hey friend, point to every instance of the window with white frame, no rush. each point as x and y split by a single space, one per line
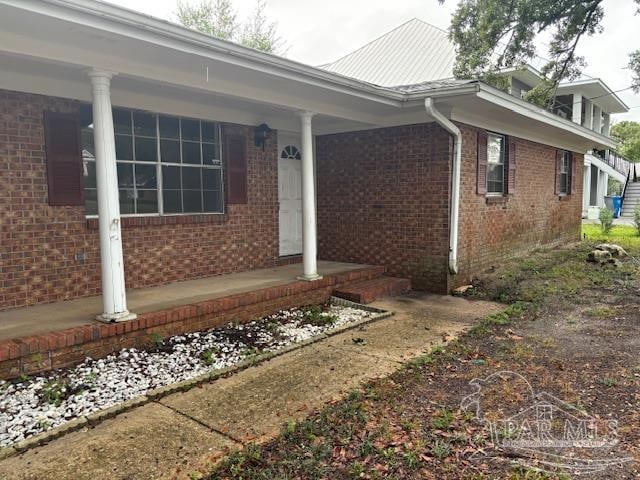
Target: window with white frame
565 173
496 155
166 164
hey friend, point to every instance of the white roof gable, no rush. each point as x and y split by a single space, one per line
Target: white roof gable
414 52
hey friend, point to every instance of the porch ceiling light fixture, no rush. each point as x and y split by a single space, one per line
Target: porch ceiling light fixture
262 132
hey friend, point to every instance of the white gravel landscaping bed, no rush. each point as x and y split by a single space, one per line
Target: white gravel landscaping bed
31 405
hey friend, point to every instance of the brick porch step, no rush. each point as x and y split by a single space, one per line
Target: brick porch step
368 291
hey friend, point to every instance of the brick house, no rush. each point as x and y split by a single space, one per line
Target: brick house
136 152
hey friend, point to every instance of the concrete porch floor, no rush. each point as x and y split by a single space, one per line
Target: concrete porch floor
39 319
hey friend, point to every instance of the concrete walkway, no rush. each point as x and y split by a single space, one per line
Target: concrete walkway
187 432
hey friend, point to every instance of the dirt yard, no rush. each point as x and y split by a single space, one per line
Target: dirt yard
568 348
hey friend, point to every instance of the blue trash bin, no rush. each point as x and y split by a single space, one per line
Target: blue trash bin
617 205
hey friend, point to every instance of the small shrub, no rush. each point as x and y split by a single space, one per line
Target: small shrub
208 356
606 220
636 218
54 392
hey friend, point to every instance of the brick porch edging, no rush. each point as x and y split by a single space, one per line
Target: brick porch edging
63 348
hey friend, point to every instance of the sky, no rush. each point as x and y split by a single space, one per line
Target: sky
320 31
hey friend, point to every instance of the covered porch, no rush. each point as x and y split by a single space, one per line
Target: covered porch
42 337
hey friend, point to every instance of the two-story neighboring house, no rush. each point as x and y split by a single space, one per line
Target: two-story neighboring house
418 52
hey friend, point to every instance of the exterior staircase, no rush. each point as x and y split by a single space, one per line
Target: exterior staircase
631 199
368 291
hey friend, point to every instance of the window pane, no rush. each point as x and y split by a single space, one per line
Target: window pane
191 153
144 124
169 127
190 129
124 147
564 181
146 176
209 132
192 201
89 174
495 149
210 154
126 201
212 201
147 201
125 175
171 201
495 178
171 178
211 179
122 121
170 151
146 149
191 178
91 201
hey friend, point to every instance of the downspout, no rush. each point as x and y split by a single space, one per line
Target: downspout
448 125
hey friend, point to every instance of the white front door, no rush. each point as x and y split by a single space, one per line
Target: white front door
290 194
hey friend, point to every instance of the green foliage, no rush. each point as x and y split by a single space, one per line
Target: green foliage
614 187
627 133
636 218
156 339
606 220
214 18
443 420
491 35
208 356
219 19
54 392
313 315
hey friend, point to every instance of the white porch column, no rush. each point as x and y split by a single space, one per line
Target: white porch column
586 190
606 128
588 114
309 238
597 118
577 109
114 300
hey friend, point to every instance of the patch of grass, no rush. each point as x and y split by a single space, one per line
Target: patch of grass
443 419
441 449
609 382
503 318
624 235
601 312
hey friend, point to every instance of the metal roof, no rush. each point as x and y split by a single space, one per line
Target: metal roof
414 52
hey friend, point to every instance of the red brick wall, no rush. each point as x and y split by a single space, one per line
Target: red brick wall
534 215
383 200
39 243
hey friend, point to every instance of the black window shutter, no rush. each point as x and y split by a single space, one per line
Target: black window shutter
481 179
511 165
64 159
558 169
236 166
